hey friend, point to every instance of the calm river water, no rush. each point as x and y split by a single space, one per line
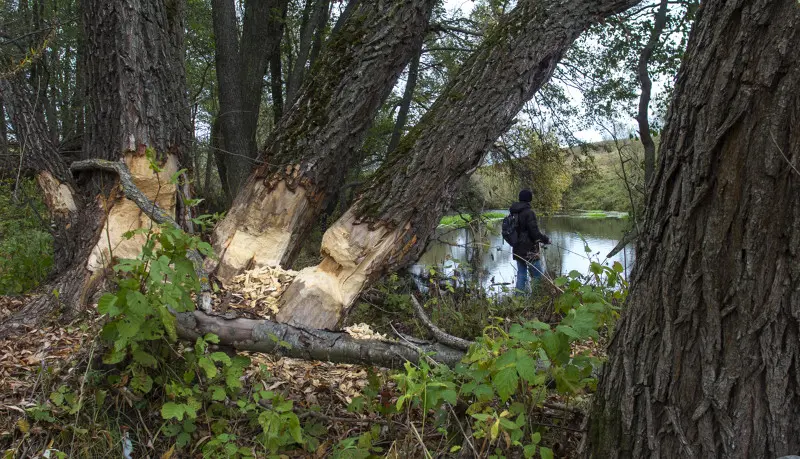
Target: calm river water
483 248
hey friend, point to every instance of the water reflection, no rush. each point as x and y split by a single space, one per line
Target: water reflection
482 252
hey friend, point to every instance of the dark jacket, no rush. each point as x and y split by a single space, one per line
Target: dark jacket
529 234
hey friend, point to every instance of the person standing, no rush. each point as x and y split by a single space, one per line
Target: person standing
526 250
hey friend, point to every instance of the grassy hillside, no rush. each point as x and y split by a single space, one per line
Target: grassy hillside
558 185
606 189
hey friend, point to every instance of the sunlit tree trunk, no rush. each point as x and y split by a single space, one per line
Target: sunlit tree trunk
706 360
391 222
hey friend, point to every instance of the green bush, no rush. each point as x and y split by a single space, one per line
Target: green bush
26 247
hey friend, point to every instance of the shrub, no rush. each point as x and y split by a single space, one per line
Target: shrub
26 246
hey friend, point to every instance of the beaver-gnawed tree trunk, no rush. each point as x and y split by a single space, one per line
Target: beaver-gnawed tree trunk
136 102
391 222
706 360
313 146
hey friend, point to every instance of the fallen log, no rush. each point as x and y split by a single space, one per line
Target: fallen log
309 344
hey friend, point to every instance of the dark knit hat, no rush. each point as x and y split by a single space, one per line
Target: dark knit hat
525 195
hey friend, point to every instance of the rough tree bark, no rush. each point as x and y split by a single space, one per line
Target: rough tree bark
241 67
642 117
390 223
134 67
706 360
308 154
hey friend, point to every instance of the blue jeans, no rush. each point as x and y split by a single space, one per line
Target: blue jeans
523 268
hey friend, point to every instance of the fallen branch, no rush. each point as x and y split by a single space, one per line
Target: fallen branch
299 343
440 335
155 213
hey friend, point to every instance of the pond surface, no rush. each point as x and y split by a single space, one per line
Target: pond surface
481 251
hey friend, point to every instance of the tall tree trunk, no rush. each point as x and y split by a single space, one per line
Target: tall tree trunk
308 154
322 13
238 160
261 39
405 103
3 133
298 68
276 86
241 67
706 360
391 222
137 103
642 117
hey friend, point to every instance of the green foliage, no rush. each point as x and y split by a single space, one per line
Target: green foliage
506 373
201 387
26 246
533 162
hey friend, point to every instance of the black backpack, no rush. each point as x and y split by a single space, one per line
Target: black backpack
510 229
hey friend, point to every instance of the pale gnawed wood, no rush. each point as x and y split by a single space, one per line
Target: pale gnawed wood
353 255
58 197
260 233
124 215
154 212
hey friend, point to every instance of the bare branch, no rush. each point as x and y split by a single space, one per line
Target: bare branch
438 333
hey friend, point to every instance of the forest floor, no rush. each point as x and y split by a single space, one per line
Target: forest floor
40 362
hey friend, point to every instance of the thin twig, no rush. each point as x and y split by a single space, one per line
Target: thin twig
782 153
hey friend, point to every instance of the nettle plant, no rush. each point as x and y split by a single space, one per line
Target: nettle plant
508 372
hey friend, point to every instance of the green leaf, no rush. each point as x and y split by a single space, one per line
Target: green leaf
208 366
505 381
529 451
484 392
211 338
114 356
220 357
569 331
57 398
142 382
218 393
508 358
449 396
526 366
172 410
108 305
546 453
137 304
143 358
294 428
